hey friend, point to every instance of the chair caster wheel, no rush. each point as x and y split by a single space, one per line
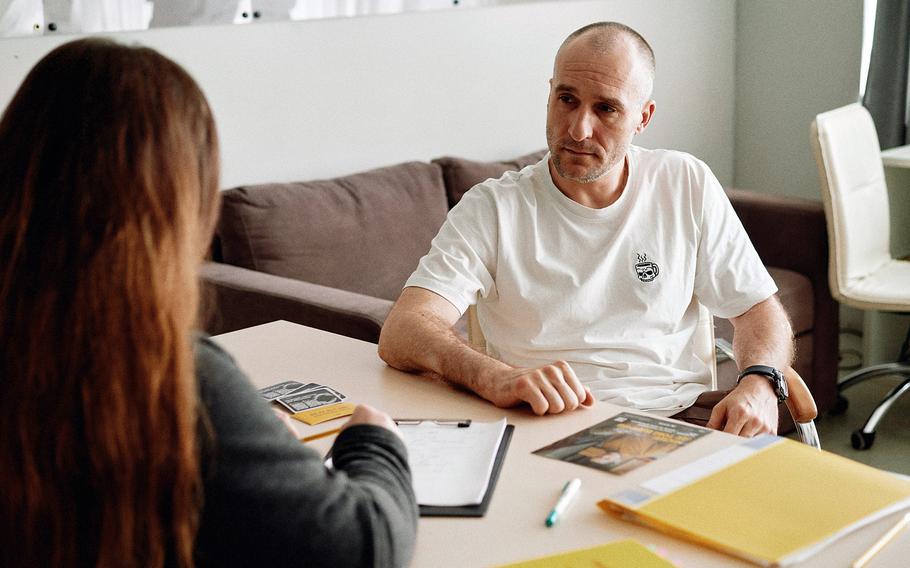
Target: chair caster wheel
861 440
840 406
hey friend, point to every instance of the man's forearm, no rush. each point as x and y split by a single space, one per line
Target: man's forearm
422 342
417 336
762 336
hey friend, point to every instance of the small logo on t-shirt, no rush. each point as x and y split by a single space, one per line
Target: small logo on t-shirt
645 269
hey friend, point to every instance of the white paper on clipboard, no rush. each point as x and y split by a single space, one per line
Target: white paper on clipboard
451 466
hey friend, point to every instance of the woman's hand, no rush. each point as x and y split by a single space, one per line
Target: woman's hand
365 414
286 420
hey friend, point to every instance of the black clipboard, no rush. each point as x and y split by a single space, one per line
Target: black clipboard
481 509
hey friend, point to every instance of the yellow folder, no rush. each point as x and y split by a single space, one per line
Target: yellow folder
767 500
621 554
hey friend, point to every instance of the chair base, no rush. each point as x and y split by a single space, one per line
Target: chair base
863 438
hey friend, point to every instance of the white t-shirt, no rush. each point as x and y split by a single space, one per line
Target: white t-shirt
612 291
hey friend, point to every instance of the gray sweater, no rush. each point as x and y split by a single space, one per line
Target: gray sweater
270 501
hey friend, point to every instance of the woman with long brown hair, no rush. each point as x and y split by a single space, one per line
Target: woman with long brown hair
125 439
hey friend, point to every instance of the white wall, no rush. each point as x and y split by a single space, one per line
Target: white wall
304 100
794 60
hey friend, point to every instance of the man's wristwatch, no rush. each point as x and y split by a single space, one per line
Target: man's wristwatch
776 378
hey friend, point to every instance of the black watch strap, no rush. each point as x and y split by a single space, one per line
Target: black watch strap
774 376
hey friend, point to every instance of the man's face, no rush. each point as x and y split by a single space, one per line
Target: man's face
597 104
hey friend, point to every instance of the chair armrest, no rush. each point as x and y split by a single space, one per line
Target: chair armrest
802 409
236 297
799 402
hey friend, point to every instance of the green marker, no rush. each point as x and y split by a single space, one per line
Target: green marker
568 493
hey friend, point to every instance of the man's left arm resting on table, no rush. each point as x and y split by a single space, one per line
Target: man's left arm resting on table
761 336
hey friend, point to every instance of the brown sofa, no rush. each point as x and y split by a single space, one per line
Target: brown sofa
334 254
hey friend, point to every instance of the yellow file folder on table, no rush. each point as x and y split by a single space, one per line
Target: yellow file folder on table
621 554
768 500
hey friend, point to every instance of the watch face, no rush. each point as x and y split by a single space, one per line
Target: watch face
776 378
780 385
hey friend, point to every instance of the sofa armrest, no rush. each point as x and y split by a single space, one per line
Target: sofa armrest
235 298
791 233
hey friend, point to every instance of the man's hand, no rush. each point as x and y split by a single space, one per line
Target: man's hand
750 409
549 389
761 336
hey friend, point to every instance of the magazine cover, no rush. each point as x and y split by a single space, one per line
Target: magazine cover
623 442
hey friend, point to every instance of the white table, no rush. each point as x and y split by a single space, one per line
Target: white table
897 176
513 528
897 157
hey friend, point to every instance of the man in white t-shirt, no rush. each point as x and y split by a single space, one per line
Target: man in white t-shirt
588 268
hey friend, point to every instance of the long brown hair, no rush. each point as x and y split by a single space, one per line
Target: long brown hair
108 193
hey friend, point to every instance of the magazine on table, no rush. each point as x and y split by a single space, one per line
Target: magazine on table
622 443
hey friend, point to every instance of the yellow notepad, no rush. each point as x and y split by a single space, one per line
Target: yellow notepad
620 554
768 500
322 414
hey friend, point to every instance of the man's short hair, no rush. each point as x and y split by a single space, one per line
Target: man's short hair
605 34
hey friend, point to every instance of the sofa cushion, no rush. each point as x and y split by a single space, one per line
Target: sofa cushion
364 232
460 174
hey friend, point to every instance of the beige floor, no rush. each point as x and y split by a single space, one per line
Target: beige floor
891 450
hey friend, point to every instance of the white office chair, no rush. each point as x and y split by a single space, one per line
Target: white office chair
800 402
861 271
